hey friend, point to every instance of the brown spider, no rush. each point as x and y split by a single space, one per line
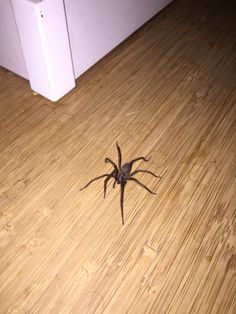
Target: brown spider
121 174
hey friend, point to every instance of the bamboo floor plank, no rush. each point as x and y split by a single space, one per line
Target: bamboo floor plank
168 92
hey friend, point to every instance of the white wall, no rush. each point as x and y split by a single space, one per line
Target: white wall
97 26
44 38
52 42
11 54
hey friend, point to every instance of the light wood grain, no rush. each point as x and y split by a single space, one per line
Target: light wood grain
169 92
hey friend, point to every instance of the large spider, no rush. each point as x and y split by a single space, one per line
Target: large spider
121 174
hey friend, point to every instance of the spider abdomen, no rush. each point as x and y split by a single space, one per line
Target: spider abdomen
126 169
124 173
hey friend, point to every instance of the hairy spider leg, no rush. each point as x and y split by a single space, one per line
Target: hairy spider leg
108 160
122 191
144 171
137 159
112 175
126 168
142 185
97 178
119 155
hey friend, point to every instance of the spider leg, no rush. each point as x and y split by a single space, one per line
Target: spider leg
129 165
97 178
108 160
112 175
122 191
141 184
119 155
145 171
139 158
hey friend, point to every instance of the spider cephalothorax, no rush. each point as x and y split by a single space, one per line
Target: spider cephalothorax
121 174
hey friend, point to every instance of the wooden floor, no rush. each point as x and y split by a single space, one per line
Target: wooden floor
169 92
